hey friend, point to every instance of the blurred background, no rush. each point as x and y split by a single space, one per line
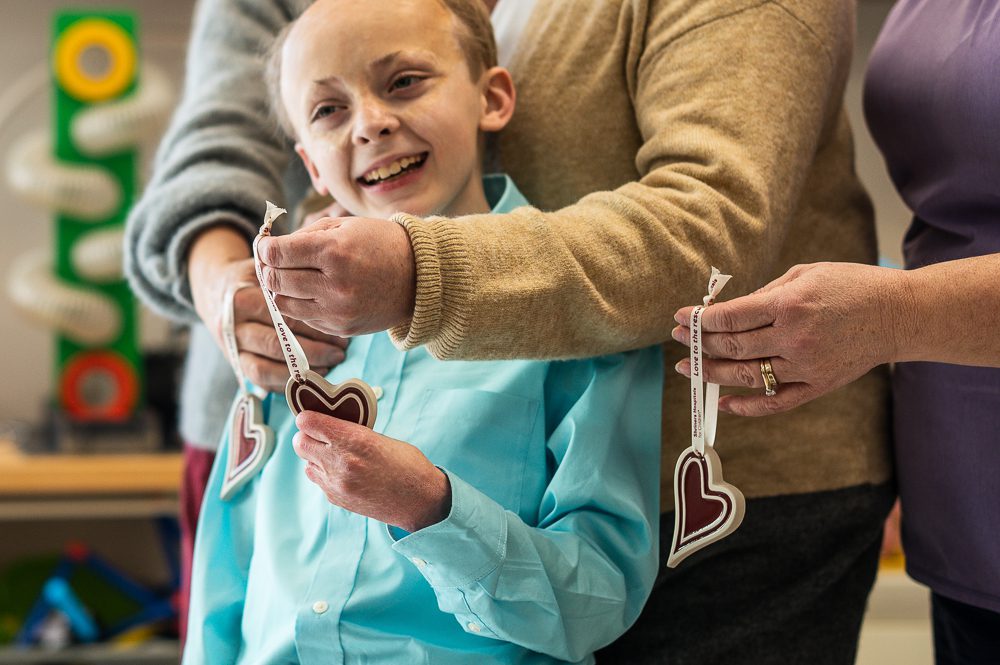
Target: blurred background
88 504
109 514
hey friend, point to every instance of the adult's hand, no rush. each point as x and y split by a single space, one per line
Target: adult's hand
821 325
216 263
344 276
370 474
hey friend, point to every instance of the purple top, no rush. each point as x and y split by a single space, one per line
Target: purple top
932 101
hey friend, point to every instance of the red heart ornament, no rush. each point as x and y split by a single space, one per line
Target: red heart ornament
706 508
251 443
353 400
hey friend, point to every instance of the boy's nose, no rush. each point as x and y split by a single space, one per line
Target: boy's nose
373 121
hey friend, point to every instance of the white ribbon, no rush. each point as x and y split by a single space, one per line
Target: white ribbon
229 333
295 357
704 403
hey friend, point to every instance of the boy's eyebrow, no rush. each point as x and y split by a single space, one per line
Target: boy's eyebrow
389 58
379 63
324 82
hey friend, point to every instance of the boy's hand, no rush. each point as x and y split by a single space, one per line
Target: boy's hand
370 474
344 276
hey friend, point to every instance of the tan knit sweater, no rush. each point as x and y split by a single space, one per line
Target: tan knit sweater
666 137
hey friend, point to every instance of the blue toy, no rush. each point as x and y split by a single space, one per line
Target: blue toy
58 594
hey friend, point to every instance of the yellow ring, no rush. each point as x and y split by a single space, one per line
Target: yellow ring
101 33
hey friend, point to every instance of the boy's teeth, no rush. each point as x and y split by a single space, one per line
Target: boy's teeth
383 172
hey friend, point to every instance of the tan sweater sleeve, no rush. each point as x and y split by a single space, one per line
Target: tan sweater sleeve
730 113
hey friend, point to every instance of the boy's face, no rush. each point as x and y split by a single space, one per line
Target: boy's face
384 107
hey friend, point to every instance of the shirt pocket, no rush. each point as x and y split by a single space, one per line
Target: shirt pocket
480 436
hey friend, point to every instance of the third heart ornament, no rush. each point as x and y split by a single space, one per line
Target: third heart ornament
706 508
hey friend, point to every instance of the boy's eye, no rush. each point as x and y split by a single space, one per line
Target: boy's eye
405 82
324 111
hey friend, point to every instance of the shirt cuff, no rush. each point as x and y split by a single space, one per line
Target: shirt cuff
443 286
464 547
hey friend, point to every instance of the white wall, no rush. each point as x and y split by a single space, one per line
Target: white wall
891 215
26 350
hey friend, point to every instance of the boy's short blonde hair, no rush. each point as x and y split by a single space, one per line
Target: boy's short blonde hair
473 31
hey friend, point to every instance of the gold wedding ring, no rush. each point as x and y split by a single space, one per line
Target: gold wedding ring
770 383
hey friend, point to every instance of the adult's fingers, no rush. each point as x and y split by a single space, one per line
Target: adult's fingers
326 438
305 328
249 305
260 339
758 343
789 396
310 449
317 476
746 313
293 282
270 375
791 274
302 309
739 373
302 249
321 354
755 310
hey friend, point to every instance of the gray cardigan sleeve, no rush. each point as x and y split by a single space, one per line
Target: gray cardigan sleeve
220 157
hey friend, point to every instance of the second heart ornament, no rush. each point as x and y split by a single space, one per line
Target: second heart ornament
251 443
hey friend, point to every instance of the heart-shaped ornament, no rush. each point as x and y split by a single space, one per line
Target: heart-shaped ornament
353 400
251 443
706 508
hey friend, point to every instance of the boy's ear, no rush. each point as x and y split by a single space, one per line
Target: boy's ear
499 98
317 183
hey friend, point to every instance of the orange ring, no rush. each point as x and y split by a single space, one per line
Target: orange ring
118 408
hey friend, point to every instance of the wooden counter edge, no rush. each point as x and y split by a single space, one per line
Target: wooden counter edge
28 475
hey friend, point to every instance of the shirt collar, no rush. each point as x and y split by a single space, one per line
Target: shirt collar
502 194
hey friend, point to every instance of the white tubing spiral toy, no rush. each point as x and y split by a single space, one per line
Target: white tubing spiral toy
88 193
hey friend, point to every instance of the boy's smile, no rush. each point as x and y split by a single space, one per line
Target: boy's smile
386 112
390 169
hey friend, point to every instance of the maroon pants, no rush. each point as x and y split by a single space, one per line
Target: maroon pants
197 466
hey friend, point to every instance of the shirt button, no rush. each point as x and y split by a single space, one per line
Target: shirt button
320 606
474 627
378 392
420 563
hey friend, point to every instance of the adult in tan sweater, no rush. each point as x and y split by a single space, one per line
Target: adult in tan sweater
658 138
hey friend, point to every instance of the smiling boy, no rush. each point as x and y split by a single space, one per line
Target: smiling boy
499 512
402 130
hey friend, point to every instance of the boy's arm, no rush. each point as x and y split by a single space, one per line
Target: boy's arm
577 581
220 158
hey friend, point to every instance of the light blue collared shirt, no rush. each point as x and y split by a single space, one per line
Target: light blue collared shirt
548 553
